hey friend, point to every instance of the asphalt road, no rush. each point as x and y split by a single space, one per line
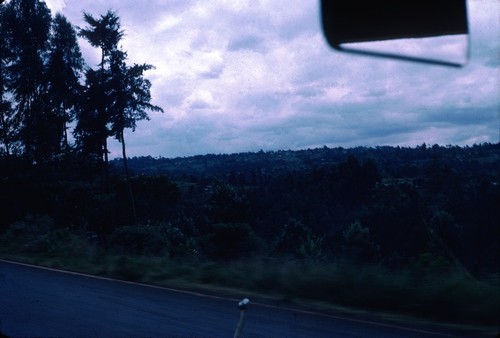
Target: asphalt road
42 302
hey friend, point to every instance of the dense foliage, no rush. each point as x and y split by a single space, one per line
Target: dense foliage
390 206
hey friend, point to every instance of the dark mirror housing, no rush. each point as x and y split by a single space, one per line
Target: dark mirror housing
364 26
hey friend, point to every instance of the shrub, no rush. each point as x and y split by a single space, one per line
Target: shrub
139 240
311 247
36 235
29 235
152 239
358 245
229 241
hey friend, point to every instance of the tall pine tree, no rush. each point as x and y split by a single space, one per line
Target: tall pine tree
117 95
28 23
64 69
130 96
9 121
105 34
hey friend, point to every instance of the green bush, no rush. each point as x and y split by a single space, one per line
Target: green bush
179 244
139 240
36 239
229 241
152 239
298 240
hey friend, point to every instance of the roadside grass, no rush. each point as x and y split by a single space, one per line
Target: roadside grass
444 296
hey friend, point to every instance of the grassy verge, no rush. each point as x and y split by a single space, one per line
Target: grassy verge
453 298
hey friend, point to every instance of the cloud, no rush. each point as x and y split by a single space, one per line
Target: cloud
200 99
247 75
210 65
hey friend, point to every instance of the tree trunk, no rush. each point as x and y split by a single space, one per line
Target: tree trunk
103 164
127 174
106 160
65 135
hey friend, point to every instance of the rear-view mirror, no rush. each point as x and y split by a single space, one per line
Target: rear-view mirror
430 31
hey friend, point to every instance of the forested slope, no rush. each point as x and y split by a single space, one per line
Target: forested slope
419 223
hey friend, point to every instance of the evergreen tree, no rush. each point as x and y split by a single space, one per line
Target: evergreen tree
28 24
130 96
103 33
64 68
91 129
8 117
117 96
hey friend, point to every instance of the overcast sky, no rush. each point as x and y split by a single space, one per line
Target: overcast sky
236 76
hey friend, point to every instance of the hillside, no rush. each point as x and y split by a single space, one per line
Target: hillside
391 161
381 224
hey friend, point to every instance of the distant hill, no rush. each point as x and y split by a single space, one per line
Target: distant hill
391 161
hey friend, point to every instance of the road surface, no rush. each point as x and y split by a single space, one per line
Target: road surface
43 302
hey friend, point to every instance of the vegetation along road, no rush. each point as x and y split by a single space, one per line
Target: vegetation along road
44 302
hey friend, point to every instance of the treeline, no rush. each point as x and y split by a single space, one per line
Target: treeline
391 161
53 107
